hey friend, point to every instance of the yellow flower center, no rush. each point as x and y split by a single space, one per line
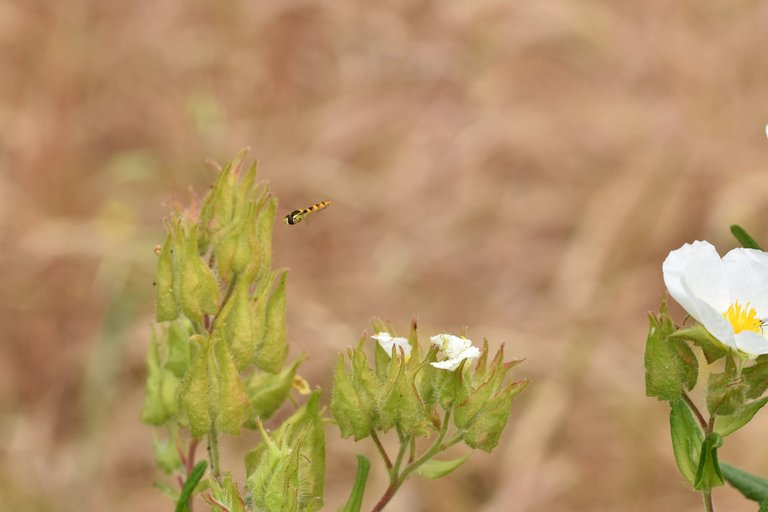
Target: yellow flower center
743 318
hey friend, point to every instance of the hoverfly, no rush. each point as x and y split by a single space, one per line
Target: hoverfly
297 216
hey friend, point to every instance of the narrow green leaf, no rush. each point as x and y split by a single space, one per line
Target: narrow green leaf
439 468
725 425
763 506
751 486
743 238
189 486
687 438
355 500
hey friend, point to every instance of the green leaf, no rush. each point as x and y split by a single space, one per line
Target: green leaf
725 425
763 506
439 468
687 438
756 377
743 238
165 299
355 500
751 486
712 348
725 392
189 486
272 351
708 473
670 365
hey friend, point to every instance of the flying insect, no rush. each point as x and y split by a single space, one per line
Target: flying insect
297 216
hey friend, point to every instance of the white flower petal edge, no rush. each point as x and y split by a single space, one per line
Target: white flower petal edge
707 286
695 271
457 349
747 271
386 341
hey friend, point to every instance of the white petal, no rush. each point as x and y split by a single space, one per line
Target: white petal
695 271
715 323
747 271
471 353
454 362
451 345
448 364
386 341
752 343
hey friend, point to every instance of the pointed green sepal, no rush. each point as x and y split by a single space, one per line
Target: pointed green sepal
670 365
235 324
165 298
352 415
233 400
740 234
439 468
268 391
273 349
225 497
485 430
194 393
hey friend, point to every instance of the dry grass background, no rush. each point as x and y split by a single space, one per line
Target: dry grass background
520 168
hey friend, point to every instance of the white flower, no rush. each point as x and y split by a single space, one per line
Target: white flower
728 296
386 341
456 350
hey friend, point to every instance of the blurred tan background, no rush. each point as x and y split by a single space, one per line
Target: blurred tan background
521 168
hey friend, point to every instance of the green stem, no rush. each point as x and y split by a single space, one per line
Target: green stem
396 478
436 447
213 450
381 449
708 505
695 411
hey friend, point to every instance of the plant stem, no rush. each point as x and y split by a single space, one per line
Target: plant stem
695 411
708 505
396 478
382 452
213 450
